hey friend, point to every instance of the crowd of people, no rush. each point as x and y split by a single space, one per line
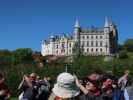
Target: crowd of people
68 87
34 88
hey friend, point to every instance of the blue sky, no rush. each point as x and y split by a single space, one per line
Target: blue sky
24 23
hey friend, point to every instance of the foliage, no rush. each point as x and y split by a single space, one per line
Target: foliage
123 54
81 66
120 47
22 55
5 52
129 45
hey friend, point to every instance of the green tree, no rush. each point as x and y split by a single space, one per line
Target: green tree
22 55
123 54
5 52
120 47
128 45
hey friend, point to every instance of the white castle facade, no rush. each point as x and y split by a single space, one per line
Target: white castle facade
93 41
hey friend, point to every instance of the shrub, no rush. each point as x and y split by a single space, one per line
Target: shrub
123 54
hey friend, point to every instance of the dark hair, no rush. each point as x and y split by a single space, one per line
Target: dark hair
86 80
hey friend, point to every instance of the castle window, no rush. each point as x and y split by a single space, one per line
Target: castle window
87 37
63 45
96 37
91 43
57 46
82 43
69 44
87 43
87 49
96 43
101 37
92 50
83 37
91 37
101 49
101 44
96 49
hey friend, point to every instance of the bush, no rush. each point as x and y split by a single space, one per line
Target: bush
129 45
123 54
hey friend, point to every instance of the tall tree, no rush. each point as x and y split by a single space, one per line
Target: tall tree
22 55
128 45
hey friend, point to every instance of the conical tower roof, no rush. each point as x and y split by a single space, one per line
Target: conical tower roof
77 23
110 22
106 22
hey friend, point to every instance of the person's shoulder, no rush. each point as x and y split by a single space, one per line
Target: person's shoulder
87 96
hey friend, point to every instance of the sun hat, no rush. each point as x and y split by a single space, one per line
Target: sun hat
65 86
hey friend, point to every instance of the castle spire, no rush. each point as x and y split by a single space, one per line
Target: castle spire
77 25
106 22
110 22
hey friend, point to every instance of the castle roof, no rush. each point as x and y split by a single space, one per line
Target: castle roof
92 30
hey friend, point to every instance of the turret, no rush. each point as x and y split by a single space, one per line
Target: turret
106 26
51 38
51 45
107 31
77 31
111 25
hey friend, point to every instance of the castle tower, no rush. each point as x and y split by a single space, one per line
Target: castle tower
77 31
113 37
51 45
111 24
106 32
106 25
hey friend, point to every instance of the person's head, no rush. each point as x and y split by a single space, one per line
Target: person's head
90 86
48 78
45 78
65 87
88 83
33 76
126 72
107 82
94 76
37 78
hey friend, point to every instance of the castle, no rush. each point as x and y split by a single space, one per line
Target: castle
93 41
